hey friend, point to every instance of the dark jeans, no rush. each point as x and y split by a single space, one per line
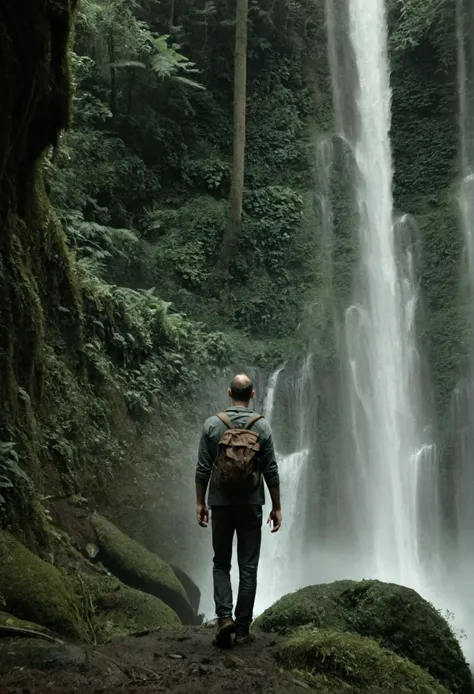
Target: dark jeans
246 521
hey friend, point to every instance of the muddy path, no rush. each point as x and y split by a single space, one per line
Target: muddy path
181 661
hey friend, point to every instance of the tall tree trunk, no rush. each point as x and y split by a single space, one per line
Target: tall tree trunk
131 85
234 218
113 75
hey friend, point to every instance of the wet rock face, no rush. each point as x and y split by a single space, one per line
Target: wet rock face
397 617
139 568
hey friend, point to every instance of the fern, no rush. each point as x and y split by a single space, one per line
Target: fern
10 471
169 62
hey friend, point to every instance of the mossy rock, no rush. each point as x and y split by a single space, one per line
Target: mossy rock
119 610
341 661
36 591
39 655
139 568
397 617
192 590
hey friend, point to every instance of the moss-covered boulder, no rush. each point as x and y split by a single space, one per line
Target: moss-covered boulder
118 610
139 568
397 617
344 662
36 591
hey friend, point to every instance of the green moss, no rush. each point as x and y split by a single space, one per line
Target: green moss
139 568
394 615
36 591
316 605
348 659
39 295
118 610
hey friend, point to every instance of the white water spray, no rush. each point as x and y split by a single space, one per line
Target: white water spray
380 328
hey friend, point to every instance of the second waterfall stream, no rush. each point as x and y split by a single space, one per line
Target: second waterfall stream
281 567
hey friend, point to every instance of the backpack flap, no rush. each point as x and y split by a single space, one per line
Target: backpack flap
236 467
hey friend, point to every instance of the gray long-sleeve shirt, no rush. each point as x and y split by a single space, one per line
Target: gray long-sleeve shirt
211 434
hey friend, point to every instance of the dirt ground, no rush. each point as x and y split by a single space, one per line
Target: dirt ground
184 662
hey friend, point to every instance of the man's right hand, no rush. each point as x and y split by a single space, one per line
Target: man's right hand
274 520
202 515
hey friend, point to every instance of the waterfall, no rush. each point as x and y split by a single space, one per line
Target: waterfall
380 326
393 461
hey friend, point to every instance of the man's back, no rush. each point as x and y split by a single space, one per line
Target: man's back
212 432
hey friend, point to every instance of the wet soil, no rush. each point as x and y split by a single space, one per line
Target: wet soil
181 661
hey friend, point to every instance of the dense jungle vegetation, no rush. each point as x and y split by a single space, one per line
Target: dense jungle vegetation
134 312
119 310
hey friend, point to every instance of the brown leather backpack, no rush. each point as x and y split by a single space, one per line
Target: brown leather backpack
236 467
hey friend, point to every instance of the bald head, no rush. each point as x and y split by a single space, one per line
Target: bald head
241 389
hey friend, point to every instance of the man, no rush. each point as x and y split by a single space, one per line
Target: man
236 513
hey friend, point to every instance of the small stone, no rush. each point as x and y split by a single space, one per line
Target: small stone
206 660
232 662
175 656
92 550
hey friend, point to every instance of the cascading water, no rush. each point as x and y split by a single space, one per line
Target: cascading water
381 348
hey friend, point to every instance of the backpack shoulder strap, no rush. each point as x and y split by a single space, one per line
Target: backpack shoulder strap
252 421
224 417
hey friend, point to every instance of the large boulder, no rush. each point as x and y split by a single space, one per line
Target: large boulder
36 591
139 568
121 611
397 617
338 661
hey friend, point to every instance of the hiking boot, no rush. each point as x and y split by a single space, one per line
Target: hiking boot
243 636
225 629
